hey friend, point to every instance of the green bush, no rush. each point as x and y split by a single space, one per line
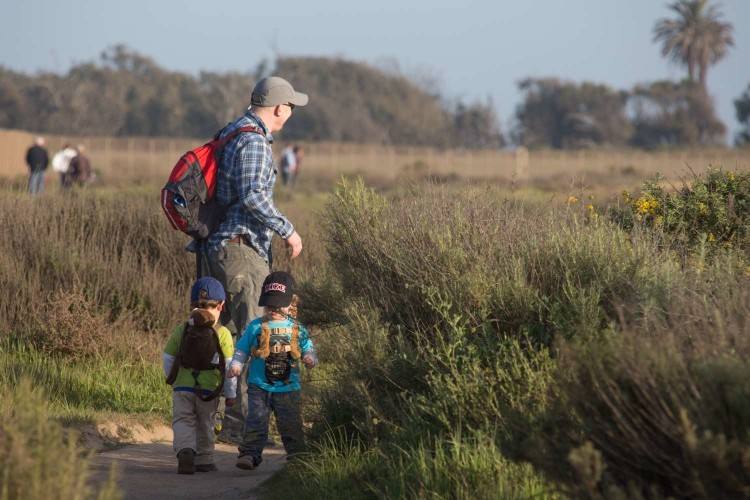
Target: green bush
451 305
662 410
38 458
409 419
514 268
713 209
611 362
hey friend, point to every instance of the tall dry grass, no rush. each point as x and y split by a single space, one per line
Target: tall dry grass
147 161
93 271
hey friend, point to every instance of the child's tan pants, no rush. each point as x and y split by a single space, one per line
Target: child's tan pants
193 425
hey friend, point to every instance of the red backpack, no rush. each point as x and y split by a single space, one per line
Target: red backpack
188 197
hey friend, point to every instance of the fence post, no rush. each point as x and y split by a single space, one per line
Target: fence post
521 170
108 152
130 152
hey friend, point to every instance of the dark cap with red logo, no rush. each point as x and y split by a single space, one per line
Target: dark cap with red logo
278 289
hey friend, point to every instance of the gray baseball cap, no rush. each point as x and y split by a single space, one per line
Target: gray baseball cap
274 90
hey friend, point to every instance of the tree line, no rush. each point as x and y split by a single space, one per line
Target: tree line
569 115
128 94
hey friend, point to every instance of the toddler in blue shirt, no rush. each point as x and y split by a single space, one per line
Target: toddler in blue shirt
275 344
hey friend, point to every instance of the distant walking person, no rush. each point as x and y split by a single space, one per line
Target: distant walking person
239 250
37 160
291 159
61 163
79 170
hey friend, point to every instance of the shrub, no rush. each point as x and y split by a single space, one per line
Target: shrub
517 268
373 372
713 209
598 354
38 459
71 324
411 418
660 410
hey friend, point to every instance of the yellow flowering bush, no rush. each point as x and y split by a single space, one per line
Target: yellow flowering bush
646 205
713 209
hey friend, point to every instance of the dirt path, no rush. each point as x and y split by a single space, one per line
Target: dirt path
150 471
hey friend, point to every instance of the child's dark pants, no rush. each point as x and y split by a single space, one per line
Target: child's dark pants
286 407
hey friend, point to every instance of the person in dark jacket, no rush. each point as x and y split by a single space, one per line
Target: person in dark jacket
37 160
79 171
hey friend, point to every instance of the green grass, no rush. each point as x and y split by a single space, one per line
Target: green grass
84 390
344 468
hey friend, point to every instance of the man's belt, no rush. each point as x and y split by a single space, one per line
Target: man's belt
239 239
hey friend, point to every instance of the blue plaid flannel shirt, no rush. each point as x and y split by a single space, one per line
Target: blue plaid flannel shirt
244 184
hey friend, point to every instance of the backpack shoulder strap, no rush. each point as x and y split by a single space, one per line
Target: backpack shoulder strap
251 129
294 343
220 143
264 341
176 364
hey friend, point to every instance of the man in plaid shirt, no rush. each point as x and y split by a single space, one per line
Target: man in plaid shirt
239 251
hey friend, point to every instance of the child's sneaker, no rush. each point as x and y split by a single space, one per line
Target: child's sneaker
246 462
206 468
186 461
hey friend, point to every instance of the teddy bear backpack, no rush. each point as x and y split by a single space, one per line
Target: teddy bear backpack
200 350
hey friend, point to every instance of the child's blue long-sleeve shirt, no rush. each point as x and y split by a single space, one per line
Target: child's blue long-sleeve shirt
256 374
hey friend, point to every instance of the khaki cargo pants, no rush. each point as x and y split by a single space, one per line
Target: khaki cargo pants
242 271
193 425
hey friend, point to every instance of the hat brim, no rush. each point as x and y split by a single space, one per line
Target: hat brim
275 300
299 99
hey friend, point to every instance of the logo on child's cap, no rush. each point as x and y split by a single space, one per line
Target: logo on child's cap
274 287
278 290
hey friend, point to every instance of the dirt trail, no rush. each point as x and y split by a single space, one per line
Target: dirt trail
149 471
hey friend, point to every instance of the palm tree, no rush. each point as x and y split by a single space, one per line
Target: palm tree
697 38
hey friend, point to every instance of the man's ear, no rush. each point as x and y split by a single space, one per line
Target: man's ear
277 110
220 307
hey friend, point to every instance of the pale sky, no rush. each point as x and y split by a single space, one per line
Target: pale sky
477 49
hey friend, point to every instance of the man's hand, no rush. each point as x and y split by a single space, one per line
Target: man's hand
294 244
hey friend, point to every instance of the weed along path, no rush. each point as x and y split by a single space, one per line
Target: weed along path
149 471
